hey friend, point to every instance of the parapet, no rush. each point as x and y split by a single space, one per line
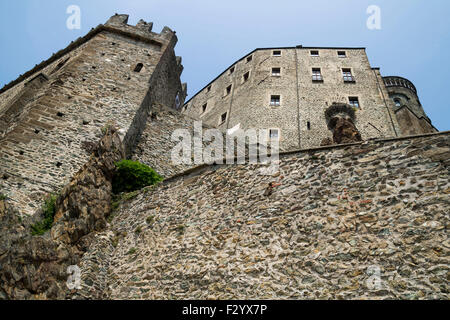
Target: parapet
142 28
116 24
394 81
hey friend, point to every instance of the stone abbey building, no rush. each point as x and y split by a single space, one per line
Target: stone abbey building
287 91
363 216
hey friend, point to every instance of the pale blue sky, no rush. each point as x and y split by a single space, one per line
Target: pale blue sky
413 43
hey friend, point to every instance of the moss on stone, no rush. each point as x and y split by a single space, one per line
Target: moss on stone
49 210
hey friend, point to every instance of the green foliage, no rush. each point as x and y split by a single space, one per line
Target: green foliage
132 251
150 219
133 175
49 210
2 197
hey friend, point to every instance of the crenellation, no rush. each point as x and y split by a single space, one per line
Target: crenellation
91 84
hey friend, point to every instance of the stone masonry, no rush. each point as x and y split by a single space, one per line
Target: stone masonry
243 93
325 226
51 116
333 216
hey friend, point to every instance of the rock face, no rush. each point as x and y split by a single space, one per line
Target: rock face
347 222
34 267
345 132
340 119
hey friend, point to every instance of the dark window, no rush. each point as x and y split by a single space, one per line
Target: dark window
223 118
397 103
209 89
229 89
308 125
273 133
231 70
354 101
316 74
249 58
246 76
139 67
275 100
347 74
277 53
276 72
204 107
342 54
314 53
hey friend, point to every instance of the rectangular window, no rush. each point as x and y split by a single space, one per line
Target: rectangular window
246 76
228 90
314 53
249 58
347 74
342 54
354 101
276 72
204 107
231 70
308 125
275 100
274 134
276 53
316 74
223 118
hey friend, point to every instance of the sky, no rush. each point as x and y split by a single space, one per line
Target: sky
413 42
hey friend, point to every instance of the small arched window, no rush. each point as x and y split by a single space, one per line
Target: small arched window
397 102
138 67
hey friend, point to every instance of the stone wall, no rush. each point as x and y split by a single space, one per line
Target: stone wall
155 145
300 115
53 114
332 217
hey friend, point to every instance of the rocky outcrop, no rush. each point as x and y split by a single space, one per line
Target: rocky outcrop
340 119
35 267
345 132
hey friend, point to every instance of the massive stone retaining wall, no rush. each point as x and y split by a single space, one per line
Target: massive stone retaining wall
332 220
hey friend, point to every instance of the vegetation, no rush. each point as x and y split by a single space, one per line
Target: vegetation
132 251
133 175
49 210
2 197
150 219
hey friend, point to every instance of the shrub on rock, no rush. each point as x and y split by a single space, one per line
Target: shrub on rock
133 175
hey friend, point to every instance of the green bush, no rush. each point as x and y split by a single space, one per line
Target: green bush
49 210
133 175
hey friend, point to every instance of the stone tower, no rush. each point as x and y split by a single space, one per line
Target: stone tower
51 115
407 107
